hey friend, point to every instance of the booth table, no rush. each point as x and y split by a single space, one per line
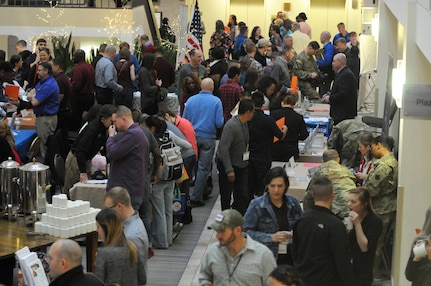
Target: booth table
298 177
94 193
315 109
28 122
23 139
171 102
13 237
315 152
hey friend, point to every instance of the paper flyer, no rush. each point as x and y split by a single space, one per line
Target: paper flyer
31 267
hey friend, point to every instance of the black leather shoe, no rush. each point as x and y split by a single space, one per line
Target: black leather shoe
196 204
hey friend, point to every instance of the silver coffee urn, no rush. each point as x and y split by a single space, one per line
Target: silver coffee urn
34 184
10 199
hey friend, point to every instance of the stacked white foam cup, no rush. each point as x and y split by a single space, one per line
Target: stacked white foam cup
65 218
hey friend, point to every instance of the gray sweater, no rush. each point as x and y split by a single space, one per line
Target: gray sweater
233 143
112 266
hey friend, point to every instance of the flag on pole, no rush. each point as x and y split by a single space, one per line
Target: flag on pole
193 39
195 25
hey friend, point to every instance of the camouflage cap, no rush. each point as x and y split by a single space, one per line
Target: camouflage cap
228 218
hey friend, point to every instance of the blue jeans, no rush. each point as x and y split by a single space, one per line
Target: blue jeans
206 147
238 187
161 226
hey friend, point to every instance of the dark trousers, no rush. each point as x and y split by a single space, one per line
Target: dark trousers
189 165
104 95
238 188
124 97
257 169
64 116
80 103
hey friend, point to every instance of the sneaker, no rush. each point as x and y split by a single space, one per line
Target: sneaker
196 204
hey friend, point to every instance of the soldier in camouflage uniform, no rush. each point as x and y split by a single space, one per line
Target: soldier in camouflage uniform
344 138
306 69
382 182
342 182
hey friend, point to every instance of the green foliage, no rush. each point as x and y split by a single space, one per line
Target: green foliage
169 50
93 55
64 50
137 48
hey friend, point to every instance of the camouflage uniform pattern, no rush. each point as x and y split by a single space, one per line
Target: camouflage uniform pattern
303 67
382 182
344 139
342 182
385 240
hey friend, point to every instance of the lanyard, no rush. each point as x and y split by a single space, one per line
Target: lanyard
233 271
244 133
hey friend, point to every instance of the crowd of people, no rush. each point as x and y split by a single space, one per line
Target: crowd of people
236 97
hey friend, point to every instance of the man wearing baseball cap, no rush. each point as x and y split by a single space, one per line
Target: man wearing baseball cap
236 259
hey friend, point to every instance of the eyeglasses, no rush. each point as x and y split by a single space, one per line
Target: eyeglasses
111 207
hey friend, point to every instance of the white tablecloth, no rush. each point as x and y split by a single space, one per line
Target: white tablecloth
171 102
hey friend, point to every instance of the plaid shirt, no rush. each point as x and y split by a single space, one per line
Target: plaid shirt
230 93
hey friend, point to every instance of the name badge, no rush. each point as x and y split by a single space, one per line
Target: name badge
246 156
282 248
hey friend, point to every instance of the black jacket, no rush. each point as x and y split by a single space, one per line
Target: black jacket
296 130
89 142
319 249
418 272
344 96
76 277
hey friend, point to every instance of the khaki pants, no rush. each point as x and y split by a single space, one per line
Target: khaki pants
72 171
45 126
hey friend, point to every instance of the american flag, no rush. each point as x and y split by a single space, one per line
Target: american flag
195 25
193 39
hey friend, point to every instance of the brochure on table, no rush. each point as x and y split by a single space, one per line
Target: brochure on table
31 267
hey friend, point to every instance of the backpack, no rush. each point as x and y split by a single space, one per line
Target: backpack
172 162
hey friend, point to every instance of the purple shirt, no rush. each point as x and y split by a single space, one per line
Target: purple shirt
128 153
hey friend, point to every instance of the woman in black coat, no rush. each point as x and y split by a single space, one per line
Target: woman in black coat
149 85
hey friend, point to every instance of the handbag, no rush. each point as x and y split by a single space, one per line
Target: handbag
179 202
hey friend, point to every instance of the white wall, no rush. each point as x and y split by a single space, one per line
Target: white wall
403 24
